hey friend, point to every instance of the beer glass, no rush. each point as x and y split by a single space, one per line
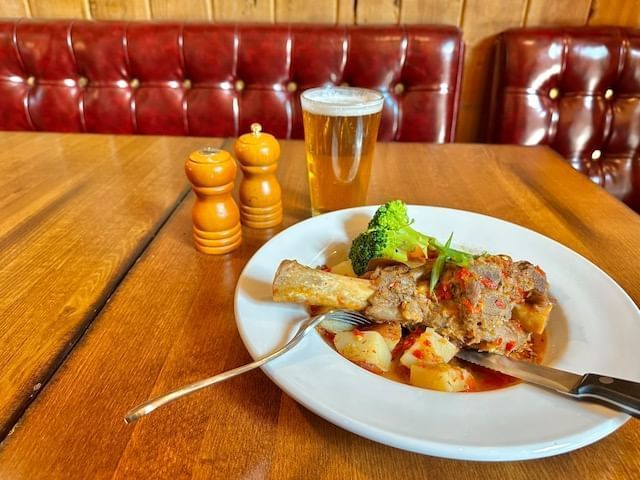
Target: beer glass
340 130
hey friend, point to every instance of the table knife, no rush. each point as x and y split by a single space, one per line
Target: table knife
622 395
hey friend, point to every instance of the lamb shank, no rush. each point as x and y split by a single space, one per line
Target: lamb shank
492 304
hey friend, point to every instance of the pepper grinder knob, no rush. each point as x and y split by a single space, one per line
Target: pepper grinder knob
260 193
215 215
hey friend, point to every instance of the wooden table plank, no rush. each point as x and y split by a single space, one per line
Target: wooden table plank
171 322
75 213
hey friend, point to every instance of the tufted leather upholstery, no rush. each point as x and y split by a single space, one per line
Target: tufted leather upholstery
215 80
578 91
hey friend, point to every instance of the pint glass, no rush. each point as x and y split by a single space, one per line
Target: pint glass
340 130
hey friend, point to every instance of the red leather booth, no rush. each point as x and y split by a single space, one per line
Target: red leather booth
215 80
578 91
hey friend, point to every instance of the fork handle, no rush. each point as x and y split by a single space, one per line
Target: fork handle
148 407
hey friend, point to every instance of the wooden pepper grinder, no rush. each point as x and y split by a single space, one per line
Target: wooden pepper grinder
260 193
216 220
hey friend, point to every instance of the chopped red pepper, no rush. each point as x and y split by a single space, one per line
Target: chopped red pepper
419 354
499 303
510 346
462 274
468 305
442 292
488 283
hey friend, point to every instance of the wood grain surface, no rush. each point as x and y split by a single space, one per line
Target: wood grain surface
120 9
75 212
185 10
171 322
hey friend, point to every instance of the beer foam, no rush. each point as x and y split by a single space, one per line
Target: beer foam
341 101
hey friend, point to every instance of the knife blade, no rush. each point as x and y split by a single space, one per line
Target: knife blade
622 395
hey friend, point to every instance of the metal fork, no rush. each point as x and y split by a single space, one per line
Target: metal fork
346 316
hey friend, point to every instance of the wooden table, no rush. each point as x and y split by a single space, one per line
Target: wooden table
76 212
170 319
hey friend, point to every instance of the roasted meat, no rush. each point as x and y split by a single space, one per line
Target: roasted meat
487 305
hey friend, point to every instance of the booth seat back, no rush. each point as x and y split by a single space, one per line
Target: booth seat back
578 91
215 80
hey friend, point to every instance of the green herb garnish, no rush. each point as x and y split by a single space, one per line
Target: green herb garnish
438 265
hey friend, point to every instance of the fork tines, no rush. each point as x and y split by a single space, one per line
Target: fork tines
349 316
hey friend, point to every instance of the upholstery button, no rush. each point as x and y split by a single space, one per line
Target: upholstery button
82 82
134 83
31 81
596 155
186 84
399 89
608 93
553 93
239 85
292 87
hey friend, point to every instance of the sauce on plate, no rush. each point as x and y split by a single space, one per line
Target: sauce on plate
485 378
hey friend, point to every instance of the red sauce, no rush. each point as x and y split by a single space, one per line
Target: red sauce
405 342
328 336
485 378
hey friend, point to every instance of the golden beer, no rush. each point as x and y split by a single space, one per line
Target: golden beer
340 130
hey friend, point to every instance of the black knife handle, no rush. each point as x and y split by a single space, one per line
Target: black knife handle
623 395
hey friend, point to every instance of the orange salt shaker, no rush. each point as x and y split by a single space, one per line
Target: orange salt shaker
215 215
260 193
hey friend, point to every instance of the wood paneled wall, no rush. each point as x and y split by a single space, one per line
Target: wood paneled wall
480 20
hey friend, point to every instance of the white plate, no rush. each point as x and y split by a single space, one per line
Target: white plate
592 326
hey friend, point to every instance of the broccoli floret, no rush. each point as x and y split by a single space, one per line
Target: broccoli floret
382 243
391 215
390 235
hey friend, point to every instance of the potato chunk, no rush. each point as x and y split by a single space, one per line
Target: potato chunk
442 377
367 349
391 332
335 326
430 348
344 268
532 317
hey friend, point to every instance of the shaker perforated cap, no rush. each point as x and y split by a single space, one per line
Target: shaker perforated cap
209 155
